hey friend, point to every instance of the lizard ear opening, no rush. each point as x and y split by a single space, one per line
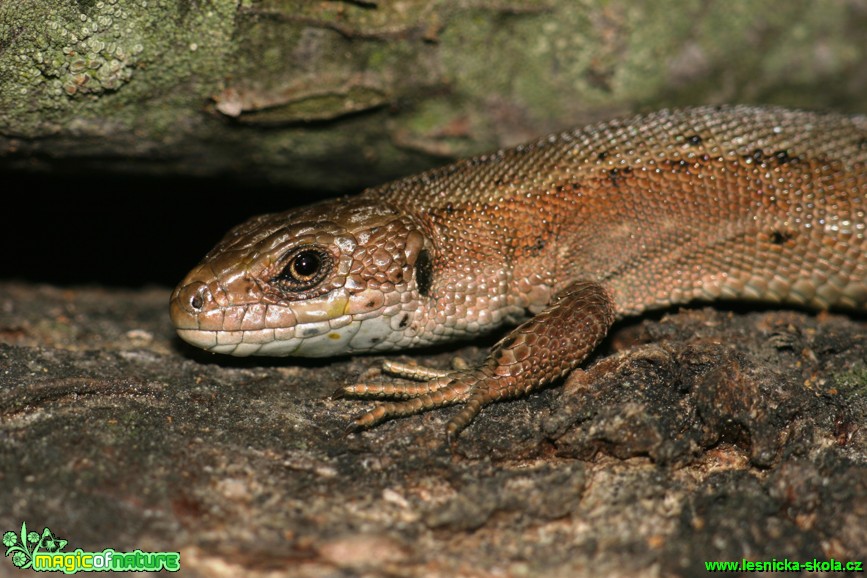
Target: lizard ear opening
418 258
414 247
423 273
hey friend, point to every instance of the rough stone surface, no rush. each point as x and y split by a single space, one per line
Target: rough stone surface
339 94
701 434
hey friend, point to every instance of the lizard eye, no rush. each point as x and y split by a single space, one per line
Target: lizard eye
305 268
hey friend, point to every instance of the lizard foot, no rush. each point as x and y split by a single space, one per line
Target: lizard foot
537 352
428 376
474 389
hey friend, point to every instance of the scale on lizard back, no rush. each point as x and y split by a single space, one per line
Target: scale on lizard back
563 235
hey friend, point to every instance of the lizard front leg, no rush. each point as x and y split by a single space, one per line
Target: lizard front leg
535 353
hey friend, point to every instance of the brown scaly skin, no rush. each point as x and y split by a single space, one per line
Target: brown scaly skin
564 234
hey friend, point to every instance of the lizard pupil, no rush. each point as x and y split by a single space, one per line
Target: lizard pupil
305 265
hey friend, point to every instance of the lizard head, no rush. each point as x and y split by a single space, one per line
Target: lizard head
337 277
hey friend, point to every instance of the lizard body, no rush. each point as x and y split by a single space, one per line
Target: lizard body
562 236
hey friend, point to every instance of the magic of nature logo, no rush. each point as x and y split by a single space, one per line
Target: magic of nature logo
44 552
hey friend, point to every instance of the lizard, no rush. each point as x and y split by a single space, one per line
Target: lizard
560 237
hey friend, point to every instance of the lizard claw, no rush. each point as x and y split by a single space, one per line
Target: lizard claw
339 393
352 428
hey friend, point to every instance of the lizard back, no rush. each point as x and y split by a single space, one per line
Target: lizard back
732 202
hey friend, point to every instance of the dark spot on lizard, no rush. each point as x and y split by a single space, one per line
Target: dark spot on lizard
678 166
783 157
862 144
310 332
602 156
617 175
536 247
405 321
694 140
568 188
780 237
450 208
757 155
423 272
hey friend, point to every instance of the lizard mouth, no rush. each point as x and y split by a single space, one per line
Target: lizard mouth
305 340
314 328
241 343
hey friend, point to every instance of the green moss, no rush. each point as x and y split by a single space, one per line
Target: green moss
584 57
430 116
853 382
75 54
395 81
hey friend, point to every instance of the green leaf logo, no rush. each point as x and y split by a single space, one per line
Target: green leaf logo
22 547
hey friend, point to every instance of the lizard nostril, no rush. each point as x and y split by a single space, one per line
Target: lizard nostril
194 297
189 303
